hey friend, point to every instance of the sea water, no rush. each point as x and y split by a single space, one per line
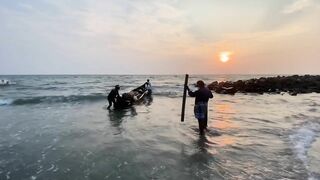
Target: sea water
58 127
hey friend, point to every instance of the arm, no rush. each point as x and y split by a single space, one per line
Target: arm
191 94
210 95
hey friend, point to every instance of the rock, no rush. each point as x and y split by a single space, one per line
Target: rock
292 84
293 93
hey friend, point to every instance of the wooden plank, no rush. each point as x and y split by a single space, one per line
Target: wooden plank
184 97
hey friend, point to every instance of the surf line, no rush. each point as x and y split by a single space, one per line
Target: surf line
184 97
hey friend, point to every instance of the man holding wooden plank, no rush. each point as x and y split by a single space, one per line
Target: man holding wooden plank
202 96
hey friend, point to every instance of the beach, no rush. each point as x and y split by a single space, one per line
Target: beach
58 127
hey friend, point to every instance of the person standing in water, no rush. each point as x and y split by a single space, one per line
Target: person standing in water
114 93
148 86
202 96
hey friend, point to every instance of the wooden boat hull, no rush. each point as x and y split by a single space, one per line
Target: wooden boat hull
133 97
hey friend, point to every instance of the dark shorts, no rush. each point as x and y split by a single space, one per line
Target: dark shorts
201 110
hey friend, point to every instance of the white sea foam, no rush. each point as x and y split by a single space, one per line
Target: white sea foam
5 82
302 140
5 102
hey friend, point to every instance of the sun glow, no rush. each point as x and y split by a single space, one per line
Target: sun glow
225 56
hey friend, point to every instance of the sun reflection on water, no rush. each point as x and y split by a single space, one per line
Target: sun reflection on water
222 122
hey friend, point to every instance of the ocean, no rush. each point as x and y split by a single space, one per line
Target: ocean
58 127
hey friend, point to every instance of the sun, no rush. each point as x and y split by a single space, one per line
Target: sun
225 56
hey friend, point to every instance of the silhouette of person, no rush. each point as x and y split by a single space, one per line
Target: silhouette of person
114 93
202 96
148 86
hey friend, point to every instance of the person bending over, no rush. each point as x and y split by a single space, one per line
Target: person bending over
114 93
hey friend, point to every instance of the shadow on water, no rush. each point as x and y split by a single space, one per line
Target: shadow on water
201 160
147 100
117 116
202 144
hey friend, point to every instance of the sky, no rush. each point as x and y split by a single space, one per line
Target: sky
159 36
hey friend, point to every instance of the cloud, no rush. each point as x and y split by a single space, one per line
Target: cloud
297 6
108 35
26 6
149 27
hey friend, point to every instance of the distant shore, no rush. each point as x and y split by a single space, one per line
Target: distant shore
293 85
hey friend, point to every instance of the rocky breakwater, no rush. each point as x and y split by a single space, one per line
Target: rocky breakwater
291 84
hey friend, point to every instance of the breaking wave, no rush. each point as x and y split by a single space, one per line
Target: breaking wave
5 102
302 140
54 99
70 99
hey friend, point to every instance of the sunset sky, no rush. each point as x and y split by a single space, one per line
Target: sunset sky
159 37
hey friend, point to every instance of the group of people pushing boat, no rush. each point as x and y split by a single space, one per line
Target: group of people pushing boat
127 99
202 96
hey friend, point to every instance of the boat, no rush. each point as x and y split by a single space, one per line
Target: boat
135 96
